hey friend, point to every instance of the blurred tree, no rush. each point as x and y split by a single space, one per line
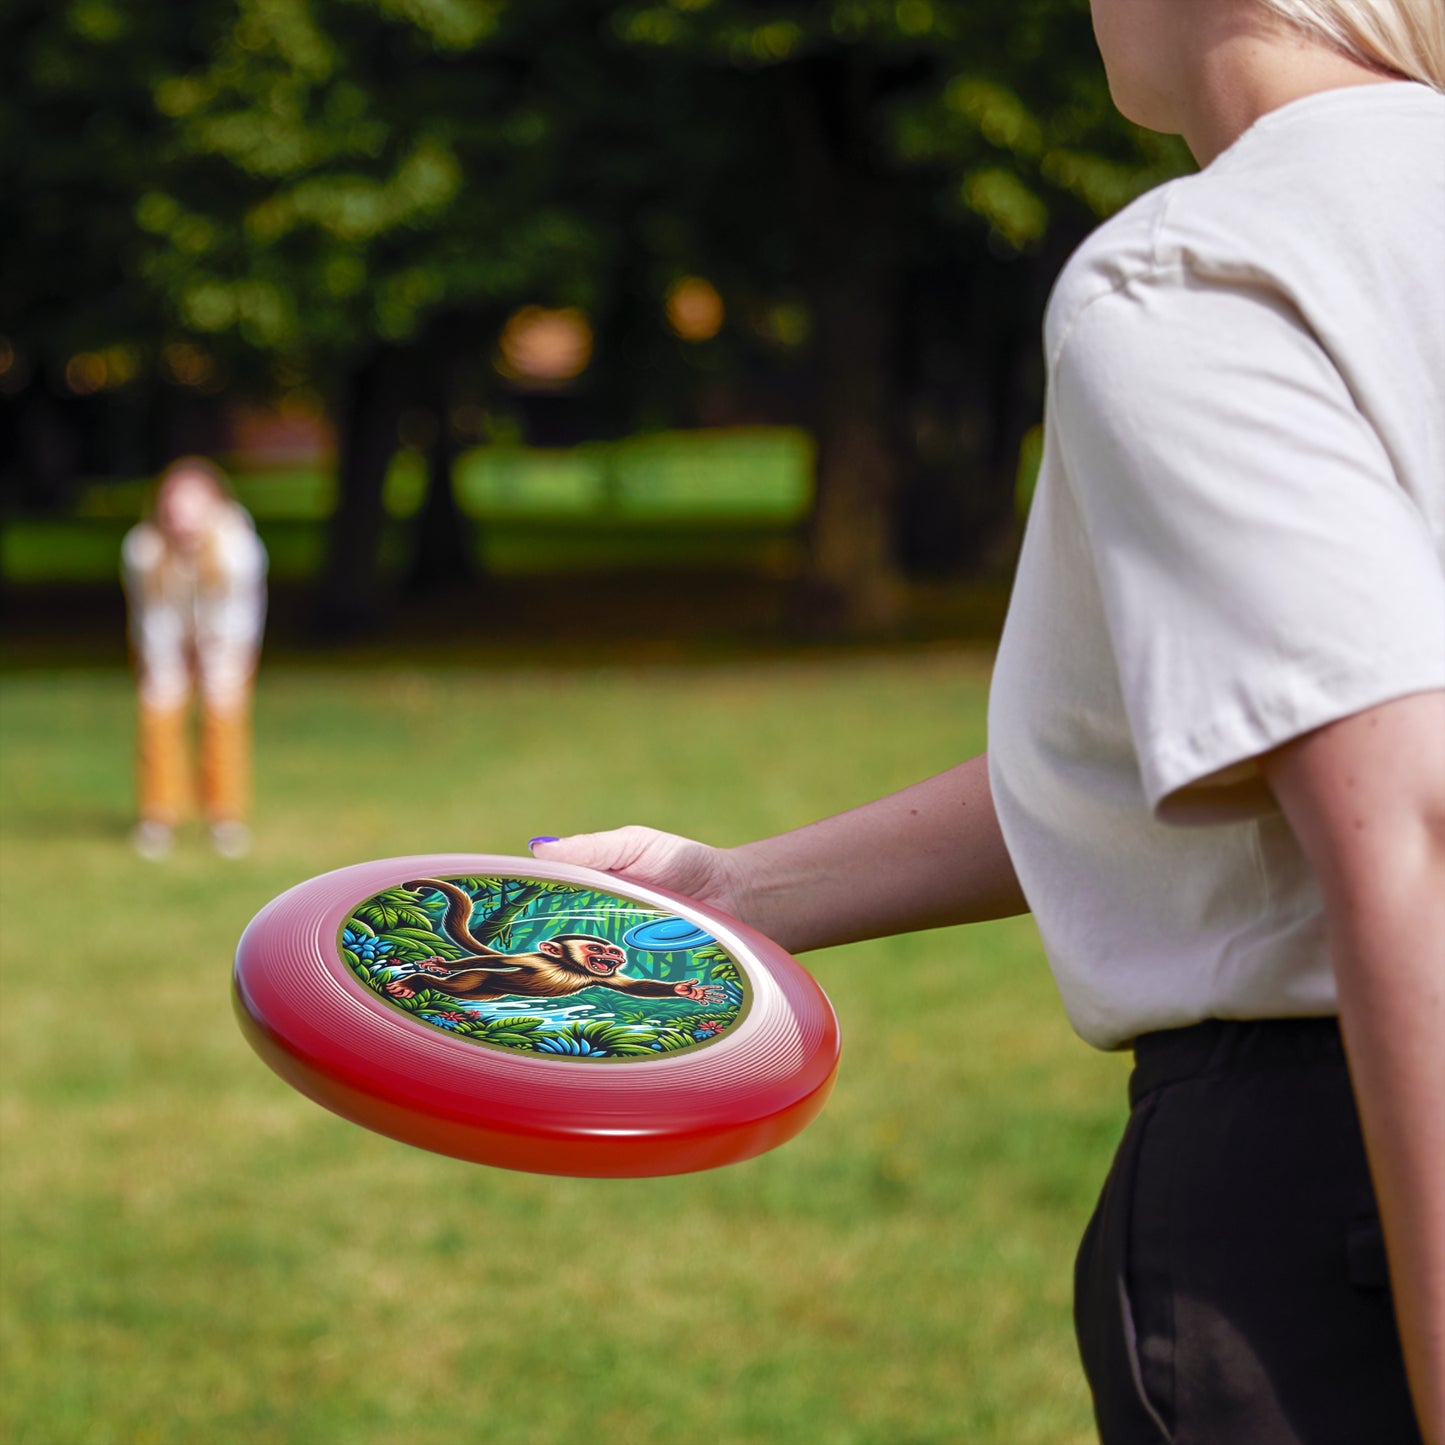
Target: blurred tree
79 139
920 168
376 186
355 194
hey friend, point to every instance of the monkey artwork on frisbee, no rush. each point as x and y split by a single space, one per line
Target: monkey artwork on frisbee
543 967
534 1015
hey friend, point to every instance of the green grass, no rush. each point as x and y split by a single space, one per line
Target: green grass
194 1253
70 550
670 499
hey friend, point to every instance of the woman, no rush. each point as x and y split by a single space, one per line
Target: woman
1217 759
195 583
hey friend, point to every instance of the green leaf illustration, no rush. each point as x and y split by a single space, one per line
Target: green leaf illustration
409 951
414 934
380 915
428 998
509 1040
673 1039
402 897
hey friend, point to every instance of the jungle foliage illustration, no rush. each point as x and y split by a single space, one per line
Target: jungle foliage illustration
544 967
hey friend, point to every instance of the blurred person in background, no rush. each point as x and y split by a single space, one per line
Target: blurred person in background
1216 767
195 583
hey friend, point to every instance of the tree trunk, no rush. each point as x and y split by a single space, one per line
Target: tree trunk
350 600
443 554
491 928
974 387
851 554
47 451
851 264
442 559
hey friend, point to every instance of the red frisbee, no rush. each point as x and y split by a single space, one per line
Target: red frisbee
535 1016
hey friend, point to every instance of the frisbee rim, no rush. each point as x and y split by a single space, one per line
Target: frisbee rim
651 1109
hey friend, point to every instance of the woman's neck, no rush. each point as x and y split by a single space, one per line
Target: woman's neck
1243 69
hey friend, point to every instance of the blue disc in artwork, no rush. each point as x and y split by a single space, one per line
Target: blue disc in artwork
667 935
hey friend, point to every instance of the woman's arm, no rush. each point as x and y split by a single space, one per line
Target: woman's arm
929 856
1366 799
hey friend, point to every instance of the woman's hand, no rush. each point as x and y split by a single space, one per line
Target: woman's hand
927 857
662 860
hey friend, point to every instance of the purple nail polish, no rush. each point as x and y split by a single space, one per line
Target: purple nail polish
532 842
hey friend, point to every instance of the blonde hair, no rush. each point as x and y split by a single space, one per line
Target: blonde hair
210 571
1404 37
192 466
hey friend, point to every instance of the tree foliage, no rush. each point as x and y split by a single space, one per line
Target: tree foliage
352 195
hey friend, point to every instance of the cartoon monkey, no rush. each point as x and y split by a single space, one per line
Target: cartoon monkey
562 965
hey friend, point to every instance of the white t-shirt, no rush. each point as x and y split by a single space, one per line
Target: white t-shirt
187 627
1238 536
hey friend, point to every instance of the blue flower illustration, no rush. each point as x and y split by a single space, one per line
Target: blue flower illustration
562 1044
365 947
441 1021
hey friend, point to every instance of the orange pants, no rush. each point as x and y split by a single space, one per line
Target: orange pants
163 762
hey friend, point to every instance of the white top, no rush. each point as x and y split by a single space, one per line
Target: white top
1238 536
198 619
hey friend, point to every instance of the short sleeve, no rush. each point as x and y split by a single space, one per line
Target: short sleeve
140 554
240 552
1263 571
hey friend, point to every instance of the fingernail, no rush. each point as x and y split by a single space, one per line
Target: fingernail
532 842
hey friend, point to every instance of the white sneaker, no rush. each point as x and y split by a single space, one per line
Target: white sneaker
231 840
152 840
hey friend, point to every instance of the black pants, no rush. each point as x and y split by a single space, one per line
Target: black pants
1231 1287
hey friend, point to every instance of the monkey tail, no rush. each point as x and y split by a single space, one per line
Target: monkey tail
458 916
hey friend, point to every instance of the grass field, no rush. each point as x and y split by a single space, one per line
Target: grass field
700 498
193 1253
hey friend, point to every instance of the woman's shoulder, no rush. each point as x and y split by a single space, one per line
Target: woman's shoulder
142 549
1339 191
1109 259
238 547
